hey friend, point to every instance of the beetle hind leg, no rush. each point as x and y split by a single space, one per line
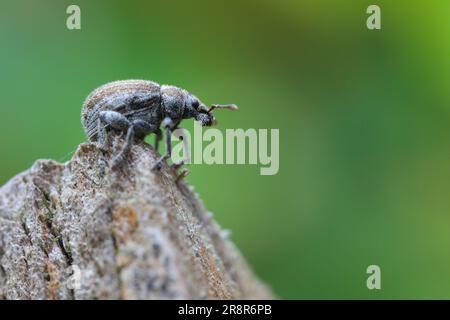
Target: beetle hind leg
117 121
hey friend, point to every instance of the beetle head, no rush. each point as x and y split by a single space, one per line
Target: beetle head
197 109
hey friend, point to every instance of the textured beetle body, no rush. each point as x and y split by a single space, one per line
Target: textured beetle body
132 98
139 108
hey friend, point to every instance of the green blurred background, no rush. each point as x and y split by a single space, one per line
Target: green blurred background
363 116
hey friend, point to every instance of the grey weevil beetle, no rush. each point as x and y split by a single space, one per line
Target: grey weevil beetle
139 108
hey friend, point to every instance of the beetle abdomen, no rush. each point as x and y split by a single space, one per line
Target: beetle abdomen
120 96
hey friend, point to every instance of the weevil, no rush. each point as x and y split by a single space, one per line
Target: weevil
139 108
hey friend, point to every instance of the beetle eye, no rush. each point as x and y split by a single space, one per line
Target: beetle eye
195 104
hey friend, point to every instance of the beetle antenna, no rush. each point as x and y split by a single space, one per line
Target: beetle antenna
231 107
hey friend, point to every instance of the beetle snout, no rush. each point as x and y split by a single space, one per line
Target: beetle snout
206 119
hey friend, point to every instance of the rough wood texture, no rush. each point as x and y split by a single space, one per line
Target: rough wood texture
134 234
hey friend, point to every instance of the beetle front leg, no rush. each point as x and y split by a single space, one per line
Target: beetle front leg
167 124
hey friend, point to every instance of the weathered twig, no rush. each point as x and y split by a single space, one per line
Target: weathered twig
66 232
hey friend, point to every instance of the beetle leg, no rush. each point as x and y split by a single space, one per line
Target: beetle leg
114 119
138 129
118 160
181 135
102 134
167 124
118 121
142 128
158 138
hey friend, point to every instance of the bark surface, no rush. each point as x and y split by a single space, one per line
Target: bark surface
68 233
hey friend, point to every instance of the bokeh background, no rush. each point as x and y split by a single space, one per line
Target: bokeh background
363 116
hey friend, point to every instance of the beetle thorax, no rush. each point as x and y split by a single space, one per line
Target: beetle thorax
172 101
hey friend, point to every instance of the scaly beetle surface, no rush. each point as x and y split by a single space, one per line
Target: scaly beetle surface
139 108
